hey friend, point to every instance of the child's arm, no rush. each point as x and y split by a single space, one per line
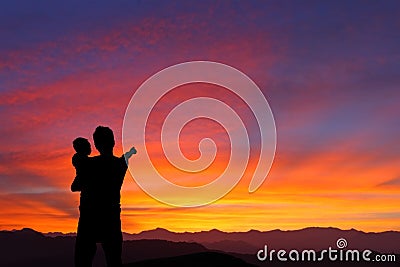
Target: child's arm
129 154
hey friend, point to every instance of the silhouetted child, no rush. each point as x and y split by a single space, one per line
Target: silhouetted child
79 160
83 149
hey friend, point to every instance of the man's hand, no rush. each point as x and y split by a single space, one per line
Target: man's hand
132 150
129 154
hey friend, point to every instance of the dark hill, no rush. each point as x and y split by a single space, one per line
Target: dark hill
209 259
249 242
27 247
152 249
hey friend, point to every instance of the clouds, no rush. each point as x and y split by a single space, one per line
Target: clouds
395 182
328 70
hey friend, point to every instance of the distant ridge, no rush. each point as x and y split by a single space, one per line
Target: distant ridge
250 241
55 234
247 242
27 247
313 237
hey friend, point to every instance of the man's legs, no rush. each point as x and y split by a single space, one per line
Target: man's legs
85 245
112 242
112 251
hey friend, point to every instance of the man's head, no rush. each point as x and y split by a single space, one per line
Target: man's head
104 140
82 146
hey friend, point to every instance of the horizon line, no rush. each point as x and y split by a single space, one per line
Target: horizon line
210 230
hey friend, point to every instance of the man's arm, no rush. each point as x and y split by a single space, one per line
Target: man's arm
122 168
129 154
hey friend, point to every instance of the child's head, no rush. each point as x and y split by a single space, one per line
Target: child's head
82 146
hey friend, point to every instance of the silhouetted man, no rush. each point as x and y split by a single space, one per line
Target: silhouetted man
100 185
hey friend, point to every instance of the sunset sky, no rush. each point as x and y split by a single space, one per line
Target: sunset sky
330 71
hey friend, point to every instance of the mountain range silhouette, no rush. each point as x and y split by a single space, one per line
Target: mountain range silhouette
160 247
251 241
